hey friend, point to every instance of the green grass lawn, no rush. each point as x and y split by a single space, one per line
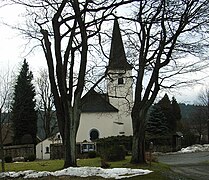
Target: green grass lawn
160 171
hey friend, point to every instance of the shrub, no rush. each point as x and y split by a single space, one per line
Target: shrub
115 153
92 154
8 159
105 143
31 157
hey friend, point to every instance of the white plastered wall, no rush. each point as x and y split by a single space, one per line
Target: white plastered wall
41 149
104 122
121 97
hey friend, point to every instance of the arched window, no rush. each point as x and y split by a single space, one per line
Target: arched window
47 149
94 134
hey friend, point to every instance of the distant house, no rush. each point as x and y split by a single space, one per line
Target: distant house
43 148
105 115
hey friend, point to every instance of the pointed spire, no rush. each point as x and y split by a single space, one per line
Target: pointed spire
117 53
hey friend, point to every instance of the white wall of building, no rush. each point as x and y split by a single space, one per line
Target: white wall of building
106 123
43 148
121 95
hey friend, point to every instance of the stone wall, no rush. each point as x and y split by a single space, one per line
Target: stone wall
57 151
19 150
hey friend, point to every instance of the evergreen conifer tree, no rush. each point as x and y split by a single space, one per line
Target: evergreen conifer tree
24 116
165 102
166 107
156 125
176 111
172 113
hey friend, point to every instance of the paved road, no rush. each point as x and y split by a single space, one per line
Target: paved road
194 166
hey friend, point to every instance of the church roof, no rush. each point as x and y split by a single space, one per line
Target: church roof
95 102
117 59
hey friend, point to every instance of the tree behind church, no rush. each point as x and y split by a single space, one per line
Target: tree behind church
157 125
45 105
163 37
176 113
166 107
172 112
24 116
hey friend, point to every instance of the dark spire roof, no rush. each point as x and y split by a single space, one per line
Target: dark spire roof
117 54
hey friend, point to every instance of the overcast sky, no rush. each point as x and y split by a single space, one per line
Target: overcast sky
12 52
12 44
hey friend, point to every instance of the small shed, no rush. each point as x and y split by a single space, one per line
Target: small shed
43 148
177 140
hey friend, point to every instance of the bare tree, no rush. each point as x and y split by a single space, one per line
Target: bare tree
45 104
202 123
202 99
66 27
5 101
199 122
165 32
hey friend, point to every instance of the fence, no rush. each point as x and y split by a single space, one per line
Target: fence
19 150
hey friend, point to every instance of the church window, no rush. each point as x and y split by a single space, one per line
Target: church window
94 134
120 80
47 150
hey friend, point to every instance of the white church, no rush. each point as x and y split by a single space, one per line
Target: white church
104 115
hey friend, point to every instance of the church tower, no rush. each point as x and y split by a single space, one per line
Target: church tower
119 78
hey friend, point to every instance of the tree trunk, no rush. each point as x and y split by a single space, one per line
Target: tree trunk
47 122
2 155
138 149
138 144
70 149
1 146
71 128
